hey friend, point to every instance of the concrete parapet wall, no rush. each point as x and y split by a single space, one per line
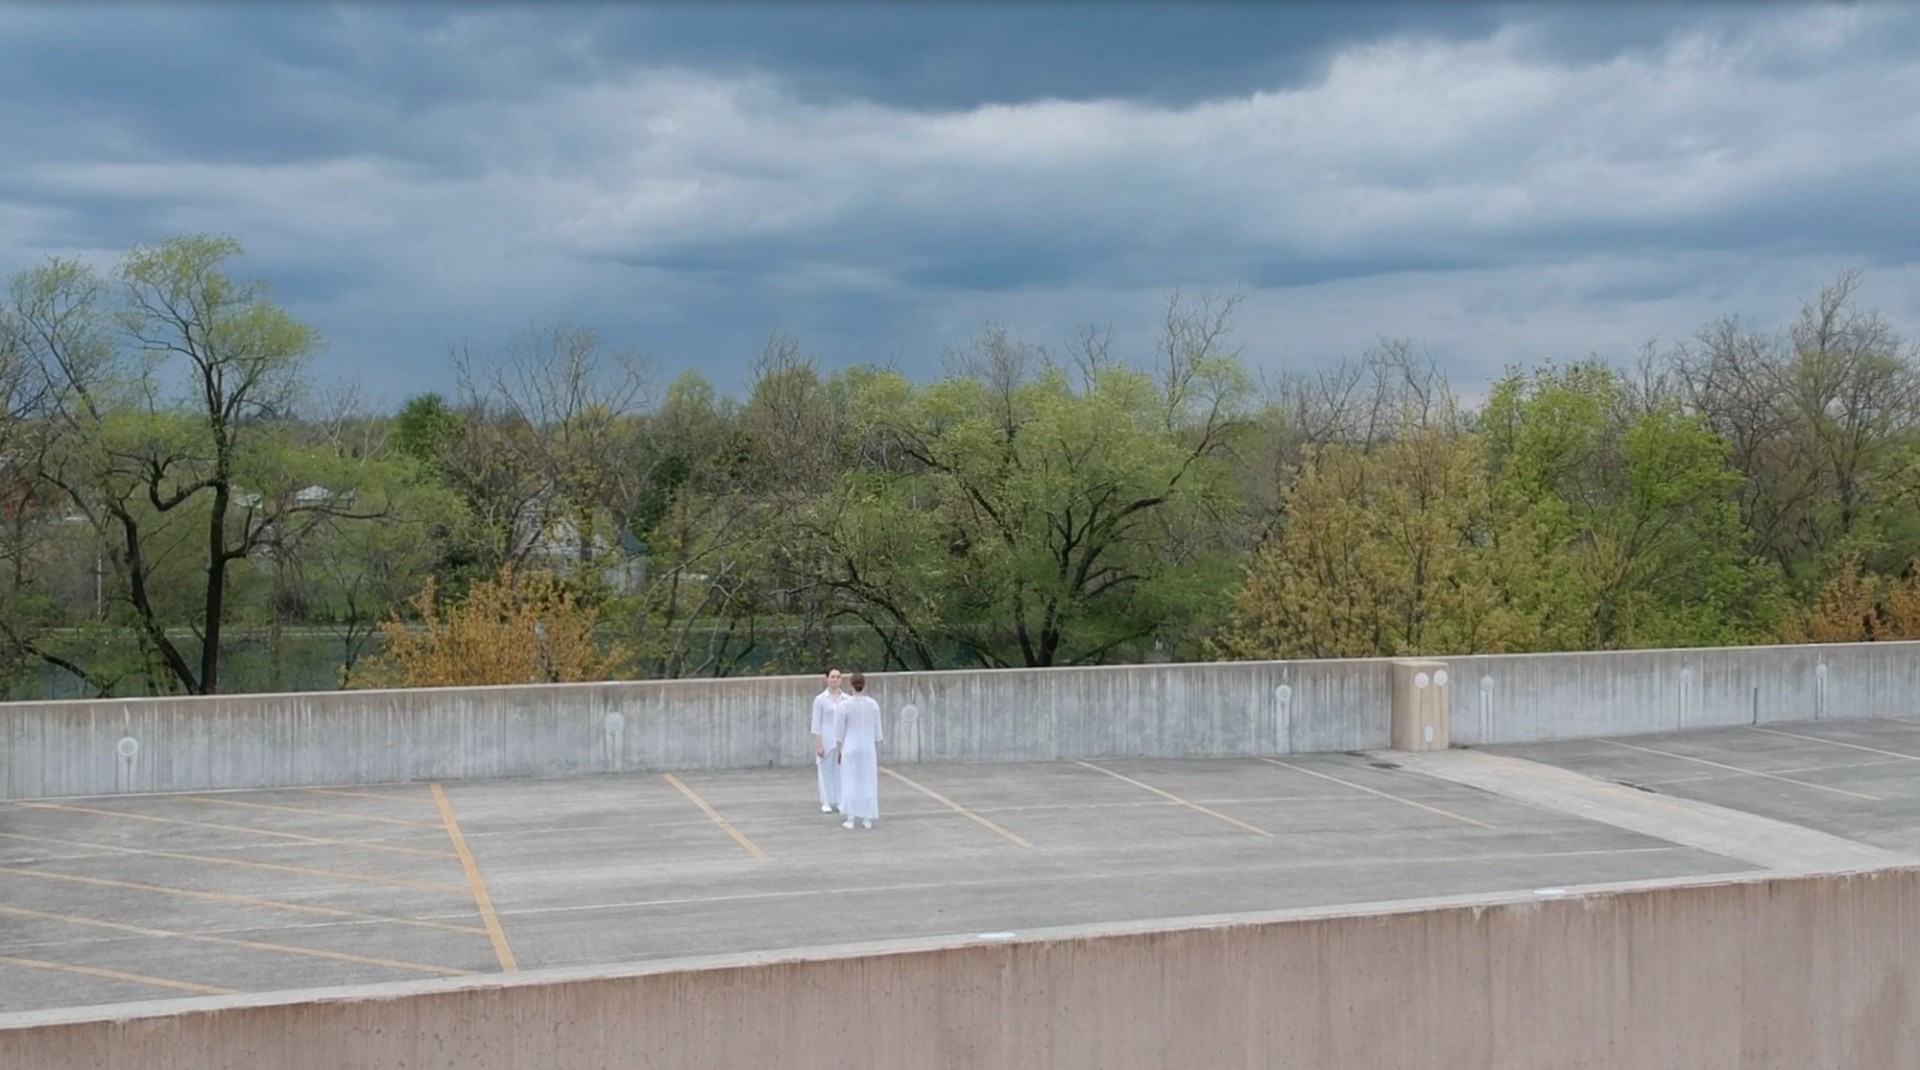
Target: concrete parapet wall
1806 972
1521 698
51 749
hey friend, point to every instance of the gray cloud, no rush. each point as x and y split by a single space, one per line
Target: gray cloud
1501 183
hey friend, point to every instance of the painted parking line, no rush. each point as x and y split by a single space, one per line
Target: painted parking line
1171 797
738 837
1796 770
214 860
1835 743
1737 769
383 797
66 808
238 900
255 945
480 897
954 806
342 814
1544 772
116 975
1376 791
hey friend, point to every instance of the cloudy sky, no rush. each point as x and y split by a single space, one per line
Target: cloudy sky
1498 183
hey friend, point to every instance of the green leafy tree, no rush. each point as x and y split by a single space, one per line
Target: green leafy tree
343 575
705 522
1034 519
1637 506
161 407
1381 552
426 428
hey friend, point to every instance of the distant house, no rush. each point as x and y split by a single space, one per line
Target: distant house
305 497
268 541
558 543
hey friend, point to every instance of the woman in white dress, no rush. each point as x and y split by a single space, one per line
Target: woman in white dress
857 732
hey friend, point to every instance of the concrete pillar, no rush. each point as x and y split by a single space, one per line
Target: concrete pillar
1422 705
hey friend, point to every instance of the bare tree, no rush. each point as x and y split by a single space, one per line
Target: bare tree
1808 414
549 443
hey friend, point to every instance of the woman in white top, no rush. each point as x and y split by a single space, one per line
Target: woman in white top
858 730
826 711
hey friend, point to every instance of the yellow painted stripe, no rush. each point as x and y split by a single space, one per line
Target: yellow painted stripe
1375 791
954 806
480 896
236 900
237 828
213 860
738 838
1737 769
116 975
1171 797
307 810
255 945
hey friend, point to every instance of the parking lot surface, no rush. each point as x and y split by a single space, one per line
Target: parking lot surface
127 898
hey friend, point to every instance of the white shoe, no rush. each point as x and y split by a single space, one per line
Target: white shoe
847 824
868 824
826 808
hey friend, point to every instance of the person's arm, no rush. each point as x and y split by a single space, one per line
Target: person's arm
879 725
819 730
840 731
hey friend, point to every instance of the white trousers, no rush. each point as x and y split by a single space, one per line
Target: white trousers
828 772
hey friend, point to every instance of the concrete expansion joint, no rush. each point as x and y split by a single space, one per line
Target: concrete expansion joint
1761 841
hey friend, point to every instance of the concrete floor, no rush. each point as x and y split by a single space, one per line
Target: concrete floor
1858 779
130 898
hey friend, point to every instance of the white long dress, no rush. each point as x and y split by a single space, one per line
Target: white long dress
859 763
826 725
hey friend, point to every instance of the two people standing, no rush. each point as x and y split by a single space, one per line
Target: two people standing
846 729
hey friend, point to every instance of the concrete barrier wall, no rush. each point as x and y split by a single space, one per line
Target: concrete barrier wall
1518 698
50 749
1813 973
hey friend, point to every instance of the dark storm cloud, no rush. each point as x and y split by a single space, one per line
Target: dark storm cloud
882 179
945 55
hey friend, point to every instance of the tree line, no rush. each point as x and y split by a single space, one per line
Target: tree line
173 479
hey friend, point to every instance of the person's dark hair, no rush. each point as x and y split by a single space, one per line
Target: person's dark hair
830 671
858 681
